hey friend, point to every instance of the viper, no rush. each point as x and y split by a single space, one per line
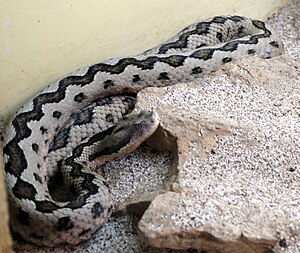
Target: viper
85 119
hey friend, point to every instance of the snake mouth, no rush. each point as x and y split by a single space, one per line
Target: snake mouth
154 118
138 127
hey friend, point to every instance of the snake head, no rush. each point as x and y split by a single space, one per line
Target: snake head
138 127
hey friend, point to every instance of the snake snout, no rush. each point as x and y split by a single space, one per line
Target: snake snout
154 118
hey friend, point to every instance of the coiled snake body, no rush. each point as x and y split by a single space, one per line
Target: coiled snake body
68 127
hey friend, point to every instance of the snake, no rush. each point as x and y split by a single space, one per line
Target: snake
86 118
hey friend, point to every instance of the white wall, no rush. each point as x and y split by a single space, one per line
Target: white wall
40 41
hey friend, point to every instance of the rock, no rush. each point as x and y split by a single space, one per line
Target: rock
236 139
163 225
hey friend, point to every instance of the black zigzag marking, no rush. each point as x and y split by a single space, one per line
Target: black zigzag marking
202 28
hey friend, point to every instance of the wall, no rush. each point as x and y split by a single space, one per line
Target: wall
43 40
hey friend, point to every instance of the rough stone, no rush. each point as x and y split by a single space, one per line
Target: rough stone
237 139
162 225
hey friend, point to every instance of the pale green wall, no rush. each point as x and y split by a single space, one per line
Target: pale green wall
43 40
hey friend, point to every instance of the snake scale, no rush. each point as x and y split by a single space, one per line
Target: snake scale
80 121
